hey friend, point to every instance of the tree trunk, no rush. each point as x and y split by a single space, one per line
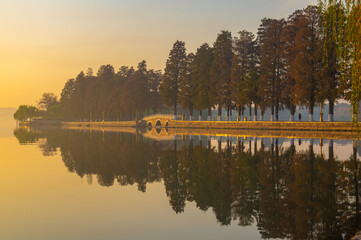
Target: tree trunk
292 110
175 111
191 113
227 114
255 112
250 112
331 107
310 116
200 115
272 113
242 113
219 113
239 110
209 114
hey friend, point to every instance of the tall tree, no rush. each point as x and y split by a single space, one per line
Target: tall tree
186 90
154 79
105 83
271 63
221 72
141 90
244 61
79 95
333 24
47 100
202 64
67 99
289 52
170 85
308 59
347 39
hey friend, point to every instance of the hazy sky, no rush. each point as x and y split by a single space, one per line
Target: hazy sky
44 43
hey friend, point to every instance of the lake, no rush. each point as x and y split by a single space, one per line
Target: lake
82 184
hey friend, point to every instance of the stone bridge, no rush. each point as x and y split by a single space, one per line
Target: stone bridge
158 120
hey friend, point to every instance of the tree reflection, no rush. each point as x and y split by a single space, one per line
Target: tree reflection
286 193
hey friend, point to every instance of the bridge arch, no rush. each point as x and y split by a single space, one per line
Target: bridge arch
158 123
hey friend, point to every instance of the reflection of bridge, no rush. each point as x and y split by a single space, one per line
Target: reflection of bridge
159 134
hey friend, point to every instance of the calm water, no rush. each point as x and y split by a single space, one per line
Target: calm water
102 185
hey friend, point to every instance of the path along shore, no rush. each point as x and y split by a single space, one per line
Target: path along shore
326 130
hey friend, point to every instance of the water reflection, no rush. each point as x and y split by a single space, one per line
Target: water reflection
288 191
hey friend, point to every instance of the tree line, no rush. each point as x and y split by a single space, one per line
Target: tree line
304 60
308 59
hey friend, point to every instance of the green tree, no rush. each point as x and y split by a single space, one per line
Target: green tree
154 79
26 112
67 101
141 90
170 85
105 82
333 24
186 91
342 24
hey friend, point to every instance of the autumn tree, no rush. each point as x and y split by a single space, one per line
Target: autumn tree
170 85
271 63
243 78
202 64
309 58
221 72
289 51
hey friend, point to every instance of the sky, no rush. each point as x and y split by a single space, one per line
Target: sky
44 43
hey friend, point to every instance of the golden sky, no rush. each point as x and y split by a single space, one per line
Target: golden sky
44 43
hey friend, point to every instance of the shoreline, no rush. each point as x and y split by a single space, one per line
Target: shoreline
221 125
302 130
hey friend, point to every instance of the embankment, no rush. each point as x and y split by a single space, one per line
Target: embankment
323 130
215 125
258 125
